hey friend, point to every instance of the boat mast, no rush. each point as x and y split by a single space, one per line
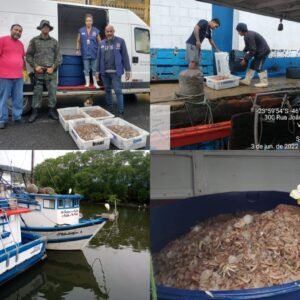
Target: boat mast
32 166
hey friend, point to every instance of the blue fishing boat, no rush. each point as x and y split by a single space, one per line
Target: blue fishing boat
18 250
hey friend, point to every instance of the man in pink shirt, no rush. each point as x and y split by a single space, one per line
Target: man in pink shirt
11 75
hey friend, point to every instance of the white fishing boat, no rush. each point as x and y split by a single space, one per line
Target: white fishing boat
18 251
57 217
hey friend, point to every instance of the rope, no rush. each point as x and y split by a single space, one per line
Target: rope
207 120
286 102
258 118
103 274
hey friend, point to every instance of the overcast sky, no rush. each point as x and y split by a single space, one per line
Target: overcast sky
22 158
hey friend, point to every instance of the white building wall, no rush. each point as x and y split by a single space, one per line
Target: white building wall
172 22
266 26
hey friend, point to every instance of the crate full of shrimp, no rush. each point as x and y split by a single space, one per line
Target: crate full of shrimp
88 134
218 82
69 113
125 135
96 112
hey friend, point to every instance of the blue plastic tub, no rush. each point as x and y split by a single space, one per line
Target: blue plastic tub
172 219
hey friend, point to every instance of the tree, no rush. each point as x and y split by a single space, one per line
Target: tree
97 175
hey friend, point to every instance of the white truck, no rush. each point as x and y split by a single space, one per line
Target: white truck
66 20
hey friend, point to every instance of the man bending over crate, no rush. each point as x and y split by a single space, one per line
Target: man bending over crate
201 31
258 49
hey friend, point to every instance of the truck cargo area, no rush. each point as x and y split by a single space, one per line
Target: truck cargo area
70 19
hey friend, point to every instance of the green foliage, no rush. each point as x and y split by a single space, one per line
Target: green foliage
112 199
98 175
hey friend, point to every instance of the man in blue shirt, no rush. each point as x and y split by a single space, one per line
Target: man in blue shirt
201 31
88 39
112 61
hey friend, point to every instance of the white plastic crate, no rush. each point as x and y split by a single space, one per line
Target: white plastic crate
98 144
92 108
69 111
123 143
233 81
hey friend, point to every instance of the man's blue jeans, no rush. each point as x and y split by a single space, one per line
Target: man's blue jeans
13 88
112 80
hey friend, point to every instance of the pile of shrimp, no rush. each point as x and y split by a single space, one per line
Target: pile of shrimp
227 252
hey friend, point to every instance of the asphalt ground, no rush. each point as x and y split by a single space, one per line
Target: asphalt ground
46 133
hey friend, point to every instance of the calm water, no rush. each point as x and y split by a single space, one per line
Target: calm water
114 266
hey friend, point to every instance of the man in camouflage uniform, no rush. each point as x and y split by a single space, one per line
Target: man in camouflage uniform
43 55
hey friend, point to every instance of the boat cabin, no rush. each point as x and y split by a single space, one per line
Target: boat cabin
50 210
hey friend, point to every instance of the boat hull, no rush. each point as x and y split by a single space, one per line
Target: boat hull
68 237
29 253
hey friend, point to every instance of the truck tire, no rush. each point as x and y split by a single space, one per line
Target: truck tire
27 100
293 72
130 97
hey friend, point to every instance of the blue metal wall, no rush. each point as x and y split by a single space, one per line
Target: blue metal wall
166 64
223 35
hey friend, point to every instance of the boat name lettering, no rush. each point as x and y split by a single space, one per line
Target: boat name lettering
69 213
69 233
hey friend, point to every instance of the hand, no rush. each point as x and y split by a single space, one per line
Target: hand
77 52
50 70
218 50
97 76
127 76
243 63
39 69
198 45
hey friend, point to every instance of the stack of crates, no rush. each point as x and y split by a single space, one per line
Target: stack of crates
166 64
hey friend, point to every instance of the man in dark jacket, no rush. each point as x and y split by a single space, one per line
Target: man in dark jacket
258 50
43 55
201 31
111 62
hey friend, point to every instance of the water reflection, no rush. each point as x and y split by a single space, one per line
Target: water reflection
61 274
131 229
114 266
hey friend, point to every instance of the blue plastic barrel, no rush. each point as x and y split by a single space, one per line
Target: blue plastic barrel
171 219
70 72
